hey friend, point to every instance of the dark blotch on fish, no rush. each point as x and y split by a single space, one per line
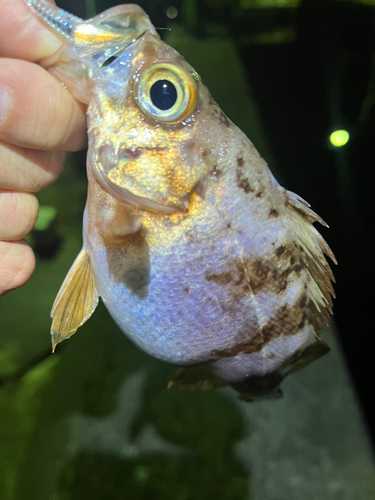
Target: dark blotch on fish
303 321
242 182
223 119
281 323
303 301
244 276
220 278
130 264
287 321
273 213
218 113
280 250
234 279
298 268
259 272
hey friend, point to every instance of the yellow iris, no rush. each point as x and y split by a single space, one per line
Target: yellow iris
185 87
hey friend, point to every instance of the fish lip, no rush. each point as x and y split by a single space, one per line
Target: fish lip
103 168
122 153
126 197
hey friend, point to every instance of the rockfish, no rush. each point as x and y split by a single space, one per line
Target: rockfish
199 255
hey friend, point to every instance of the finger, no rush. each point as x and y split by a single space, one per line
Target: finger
17 264
38 112
23 35
27 169
18 214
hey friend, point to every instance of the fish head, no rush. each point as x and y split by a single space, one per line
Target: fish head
155 132
152 137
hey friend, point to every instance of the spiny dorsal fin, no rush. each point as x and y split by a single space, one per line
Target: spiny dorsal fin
76 300
320 289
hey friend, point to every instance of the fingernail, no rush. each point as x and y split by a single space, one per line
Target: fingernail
48 46
5 102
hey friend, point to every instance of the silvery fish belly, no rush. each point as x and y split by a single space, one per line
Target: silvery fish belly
200 256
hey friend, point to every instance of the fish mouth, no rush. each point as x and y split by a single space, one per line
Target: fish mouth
104 37
121 175
131 154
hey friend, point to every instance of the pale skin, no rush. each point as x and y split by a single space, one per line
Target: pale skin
39 122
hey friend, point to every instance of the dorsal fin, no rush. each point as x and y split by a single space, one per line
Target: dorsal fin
76 300
314 247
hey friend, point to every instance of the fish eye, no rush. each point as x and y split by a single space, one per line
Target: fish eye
163 94
167 92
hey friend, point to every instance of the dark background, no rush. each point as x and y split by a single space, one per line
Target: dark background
311 70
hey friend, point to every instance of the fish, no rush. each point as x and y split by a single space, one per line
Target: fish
202 259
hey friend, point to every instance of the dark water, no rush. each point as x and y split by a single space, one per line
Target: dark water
95 421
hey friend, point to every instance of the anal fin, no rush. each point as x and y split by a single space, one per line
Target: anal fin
76 300
311 353
195 377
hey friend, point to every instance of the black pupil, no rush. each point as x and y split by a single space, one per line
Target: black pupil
163 94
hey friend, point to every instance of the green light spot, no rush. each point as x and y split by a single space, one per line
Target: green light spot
339 138
45 218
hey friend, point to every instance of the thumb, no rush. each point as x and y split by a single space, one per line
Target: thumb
23 35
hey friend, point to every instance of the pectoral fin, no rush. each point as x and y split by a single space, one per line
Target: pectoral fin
76 300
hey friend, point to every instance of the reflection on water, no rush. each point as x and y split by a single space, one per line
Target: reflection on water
173 446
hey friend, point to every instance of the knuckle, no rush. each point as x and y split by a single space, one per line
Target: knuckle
26 214
17 264
19 212
29 170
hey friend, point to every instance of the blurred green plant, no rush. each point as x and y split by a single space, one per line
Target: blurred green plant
45 218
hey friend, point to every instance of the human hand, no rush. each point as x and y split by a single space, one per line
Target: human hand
39 121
